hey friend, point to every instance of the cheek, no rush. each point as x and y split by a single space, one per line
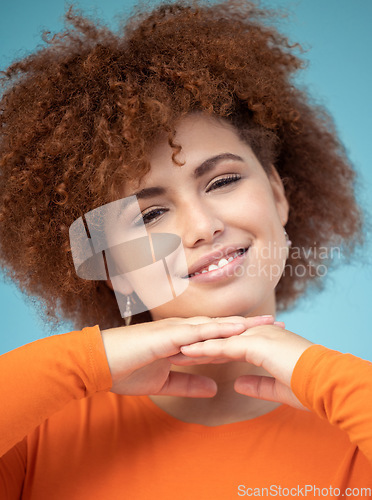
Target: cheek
256 213
254 210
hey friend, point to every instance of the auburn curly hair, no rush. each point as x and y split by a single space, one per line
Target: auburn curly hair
80 116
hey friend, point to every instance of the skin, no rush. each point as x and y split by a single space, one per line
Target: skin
233 362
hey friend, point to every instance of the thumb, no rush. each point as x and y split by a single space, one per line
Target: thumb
268 388
188 385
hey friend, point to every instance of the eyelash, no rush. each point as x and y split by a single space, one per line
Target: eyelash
152 214
217 184
223 181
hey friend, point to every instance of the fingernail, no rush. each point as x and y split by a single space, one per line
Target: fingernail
238 326
186 347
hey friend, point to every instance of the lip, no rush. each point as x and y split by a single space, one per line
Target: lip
226 272
216 256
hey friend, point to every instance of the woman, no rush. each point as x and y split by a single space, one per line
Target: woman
191 113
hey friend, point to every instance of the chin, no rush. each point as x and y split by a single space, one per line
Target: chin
212 308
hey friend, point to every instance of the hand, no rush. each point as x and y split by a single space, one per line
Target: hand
270 347
139 355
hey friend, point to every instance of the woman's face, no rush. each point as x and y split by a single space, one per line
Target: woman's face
228 213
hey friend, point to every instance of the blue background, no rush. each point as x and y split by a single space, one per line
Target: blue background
338 39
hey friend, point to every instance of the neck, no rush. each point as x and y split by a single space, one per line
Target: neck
227 406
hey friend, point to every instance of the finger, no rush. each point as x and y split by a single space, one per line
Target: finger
252 321
191 334
172 336
232 348
189 386
163 340
281 324
182 360
223 328
267 388
249 321
257 386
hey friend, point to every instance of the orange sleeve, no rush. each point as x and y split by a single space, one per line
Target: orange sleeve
40 378
337 387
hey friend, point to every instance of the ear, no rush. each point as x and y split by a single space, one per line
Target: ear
281 201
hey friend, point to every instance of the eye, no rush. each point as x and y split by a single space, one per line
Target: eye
149 216
223 181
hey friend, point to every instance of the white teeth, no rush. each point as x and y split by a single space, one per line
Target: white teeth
221 263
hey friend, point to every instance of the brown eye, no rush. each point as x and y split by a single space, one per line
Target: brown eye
150 216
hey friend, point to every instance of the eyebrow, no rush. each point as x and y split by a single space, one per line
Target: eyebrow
210 163
203 169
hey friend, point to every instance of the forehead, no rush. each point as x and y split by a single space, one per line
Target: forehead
198 135
201 137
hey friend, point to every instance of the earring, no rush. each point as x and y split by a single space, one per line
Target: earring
128 312
288 241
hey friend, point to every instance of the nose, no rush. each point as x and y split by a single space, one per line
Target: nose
200 223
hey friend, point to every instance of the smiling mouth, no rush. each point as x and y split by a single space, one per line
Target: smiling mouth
218 264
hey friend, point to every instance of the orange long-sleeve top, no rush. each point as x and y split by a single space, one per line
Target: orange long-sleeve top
65 436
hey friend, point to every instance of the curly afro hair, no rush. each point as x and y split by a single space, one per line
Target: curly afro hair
80 116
